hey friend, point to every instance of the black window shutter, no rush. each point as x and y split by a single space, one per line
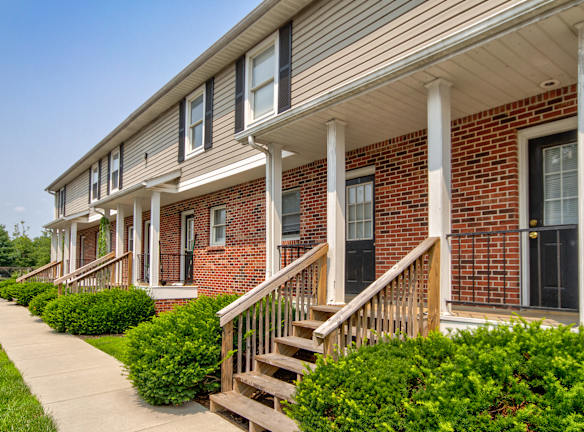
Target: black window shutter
239 93
109 171
285 67
121 170
209 88
89 190
99 180
181 130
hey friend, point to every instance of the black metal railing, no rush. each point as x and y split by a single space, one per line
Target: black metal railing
176 267
291 252
528 268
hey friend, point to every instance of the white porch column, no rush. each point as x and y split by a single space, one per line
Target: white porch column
439 174
273 208
120 216
137 240
580 28
66 255
154 238
54 241
335 215
73 248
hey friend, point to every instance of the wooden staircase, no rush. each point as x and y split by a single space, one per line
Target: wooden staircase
257 394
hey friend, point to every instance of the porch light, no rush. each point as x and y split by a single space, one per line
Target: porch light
549 84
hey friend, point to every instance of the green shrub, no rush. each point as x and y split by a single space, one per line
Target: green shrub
8 289
519 378
28 290
107 312
37 305
177 355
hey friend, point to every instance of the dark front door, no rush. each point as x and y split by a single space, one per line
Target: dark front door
360 234
189 242
553 205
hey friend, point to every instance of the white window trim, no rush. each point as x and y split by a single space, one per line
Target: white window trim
95 166
212 241
111 176
249 56
130 238
187 144
183 227
372 220
289 237
60 202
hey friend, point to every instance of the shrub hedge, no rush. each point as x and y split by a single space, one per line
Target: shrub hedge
177 355
106 312
519 378
7 289
37 305
26 291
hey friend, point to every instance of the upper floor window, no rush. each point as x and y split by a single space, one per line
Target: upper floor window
61 202
262 83
195 121
95 182
218 224
115 170
291 214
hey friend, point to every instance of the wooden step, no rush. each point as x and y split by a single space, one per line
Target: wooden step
300 342
308 324
331 309
285 362
268 384
255 412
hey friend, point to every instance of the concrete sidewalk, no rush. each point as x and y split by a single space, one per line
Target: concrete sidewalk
83 388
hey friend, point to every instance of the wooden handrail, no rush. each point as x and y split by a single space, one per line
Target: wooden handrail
102 266
291 270
362 308
85 268
39 270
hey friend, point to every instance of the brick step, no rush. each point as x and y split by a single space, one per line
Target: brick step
285 362
255 412
268 384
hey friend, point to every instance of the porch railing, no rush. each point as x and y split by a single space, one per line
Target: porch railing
115 273
85 268
267 312
390 306
46 273
176 267
527 268
293 251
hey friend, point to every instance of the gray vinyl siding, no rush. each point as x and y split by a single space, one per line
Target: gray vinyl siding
226 150
337 41
160 141
76 196
104 179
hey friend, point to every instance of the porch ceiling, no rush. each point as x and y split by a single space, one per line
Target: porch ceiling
499 71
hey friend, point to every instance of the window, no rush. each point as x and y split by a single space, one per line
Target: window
560 185
218 223
94 182
195 121
360 211
61 202
291 213
262 84
131 239
115 170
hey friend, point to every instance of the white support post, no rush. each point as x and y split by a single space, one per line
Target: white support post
273 208
66 255
154 239
439 179
335 222
54 242
137 240
580 28
120 216
73 248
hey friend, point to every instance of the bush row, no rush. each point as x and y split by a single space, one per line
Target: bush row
519 378
24 292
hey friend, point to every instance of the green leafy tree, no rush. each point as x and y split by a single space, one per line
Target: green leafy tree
23 246
104 237
42 249
6 249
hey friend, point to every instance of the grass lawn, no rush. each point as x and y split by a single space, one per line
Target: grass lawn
19 409
112 345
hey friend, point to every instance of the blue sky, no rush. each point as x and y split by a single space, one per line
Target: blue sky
71 71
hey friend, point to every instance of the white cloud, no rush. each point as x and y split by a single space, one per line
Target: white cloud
19 209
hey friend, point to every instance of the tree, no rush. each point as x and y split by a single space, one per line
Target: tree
7 255
23 246
104 237
41 252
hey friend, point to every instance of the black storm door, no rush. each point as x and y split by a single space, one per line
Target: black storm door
360 234
553 203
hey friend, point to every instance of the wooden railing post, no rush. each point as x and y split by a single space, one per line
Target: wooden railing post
329 345
227 365
129 282
321 288
434 287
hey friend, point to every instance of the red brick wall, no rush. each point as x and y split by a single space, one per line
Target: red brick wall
168 305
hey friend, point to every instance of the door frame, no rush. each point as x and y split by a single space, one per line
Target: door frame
146 250
183 227
523 137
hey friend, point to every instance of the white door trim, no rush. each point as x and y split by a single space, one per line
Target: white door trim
523 137
183 229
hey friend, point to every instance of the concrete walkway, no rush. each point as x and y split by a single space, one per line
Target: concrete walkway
83 388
